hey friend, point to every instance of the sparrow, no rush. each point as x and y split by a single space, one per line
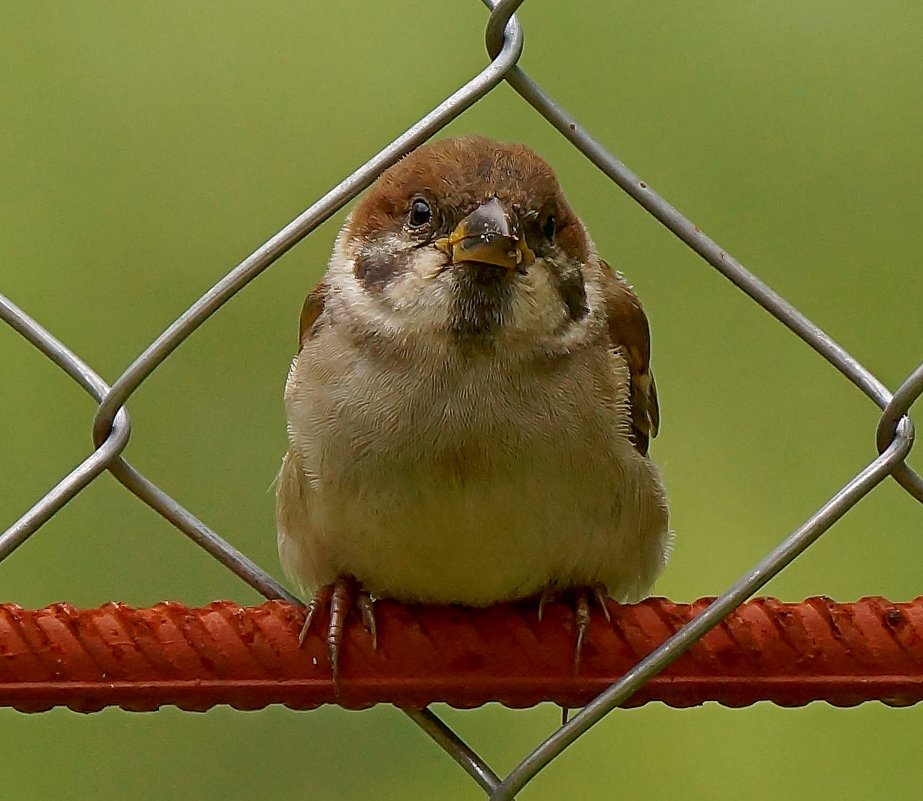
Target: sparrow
471 405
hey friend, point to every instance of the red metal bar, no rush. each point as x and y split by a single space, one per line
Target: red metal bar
248 657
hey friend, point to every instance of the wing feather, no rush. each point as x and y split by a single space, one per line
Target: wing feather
313 306
630 333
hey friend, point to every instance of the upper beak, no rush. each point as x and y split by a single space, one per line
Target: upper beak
489 235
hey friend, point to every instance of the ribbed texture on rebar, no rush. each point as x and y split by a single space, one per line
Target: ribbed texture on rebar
248 657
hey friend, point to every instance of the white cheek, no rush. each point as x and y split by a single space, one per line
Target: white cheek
536 306
413 301
420 292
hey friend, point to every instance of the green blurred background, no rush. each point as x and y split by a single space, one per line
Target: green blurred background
145 149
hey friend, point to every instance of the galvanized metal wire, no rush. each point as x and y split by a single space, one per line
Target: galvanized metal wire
504 40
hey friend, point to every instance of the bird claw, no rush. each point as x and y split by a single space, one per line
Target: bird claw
321 598
585 596
340 597
582 599
367 609
548 594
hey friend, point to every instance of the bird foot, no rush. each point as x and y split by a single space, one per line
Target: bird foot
581 599
340 597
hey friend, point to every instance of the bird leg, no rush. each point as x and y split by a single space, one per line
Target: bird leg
582 599
340 597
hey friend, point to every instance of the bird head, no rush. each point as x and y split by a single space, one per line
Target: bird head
471 241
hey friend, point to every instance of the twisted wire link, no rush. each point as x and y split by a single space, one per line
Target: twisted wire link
504 40
108 456
91 467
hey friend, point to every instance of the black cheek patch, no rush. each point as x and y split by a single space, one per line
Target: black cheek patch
375 267
573 293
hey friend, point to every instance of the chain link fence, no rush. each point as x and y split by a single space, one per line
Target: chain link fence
504 39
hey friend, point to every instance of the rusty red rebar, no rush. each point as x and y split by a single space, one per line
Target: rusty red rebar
248 657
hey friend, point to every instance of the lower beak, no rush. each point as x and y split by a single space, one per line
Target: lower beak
489 235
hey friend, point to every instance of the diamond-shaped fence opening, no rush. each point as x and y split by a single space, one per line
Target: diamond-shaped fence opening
738 652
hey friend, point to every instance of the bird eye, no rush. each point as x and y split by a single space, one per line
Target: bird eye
549 228
420 213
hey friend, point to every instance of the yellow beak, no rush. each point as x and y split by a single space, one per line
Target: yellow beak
489 235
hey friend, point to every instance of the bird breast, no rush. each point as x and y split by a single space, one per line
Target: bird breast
452 480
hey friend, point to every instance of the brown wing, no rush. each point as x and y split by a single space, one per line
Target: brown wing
313 306
629 331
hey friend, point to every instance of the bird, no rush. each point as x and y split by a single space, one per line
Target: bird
470 409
